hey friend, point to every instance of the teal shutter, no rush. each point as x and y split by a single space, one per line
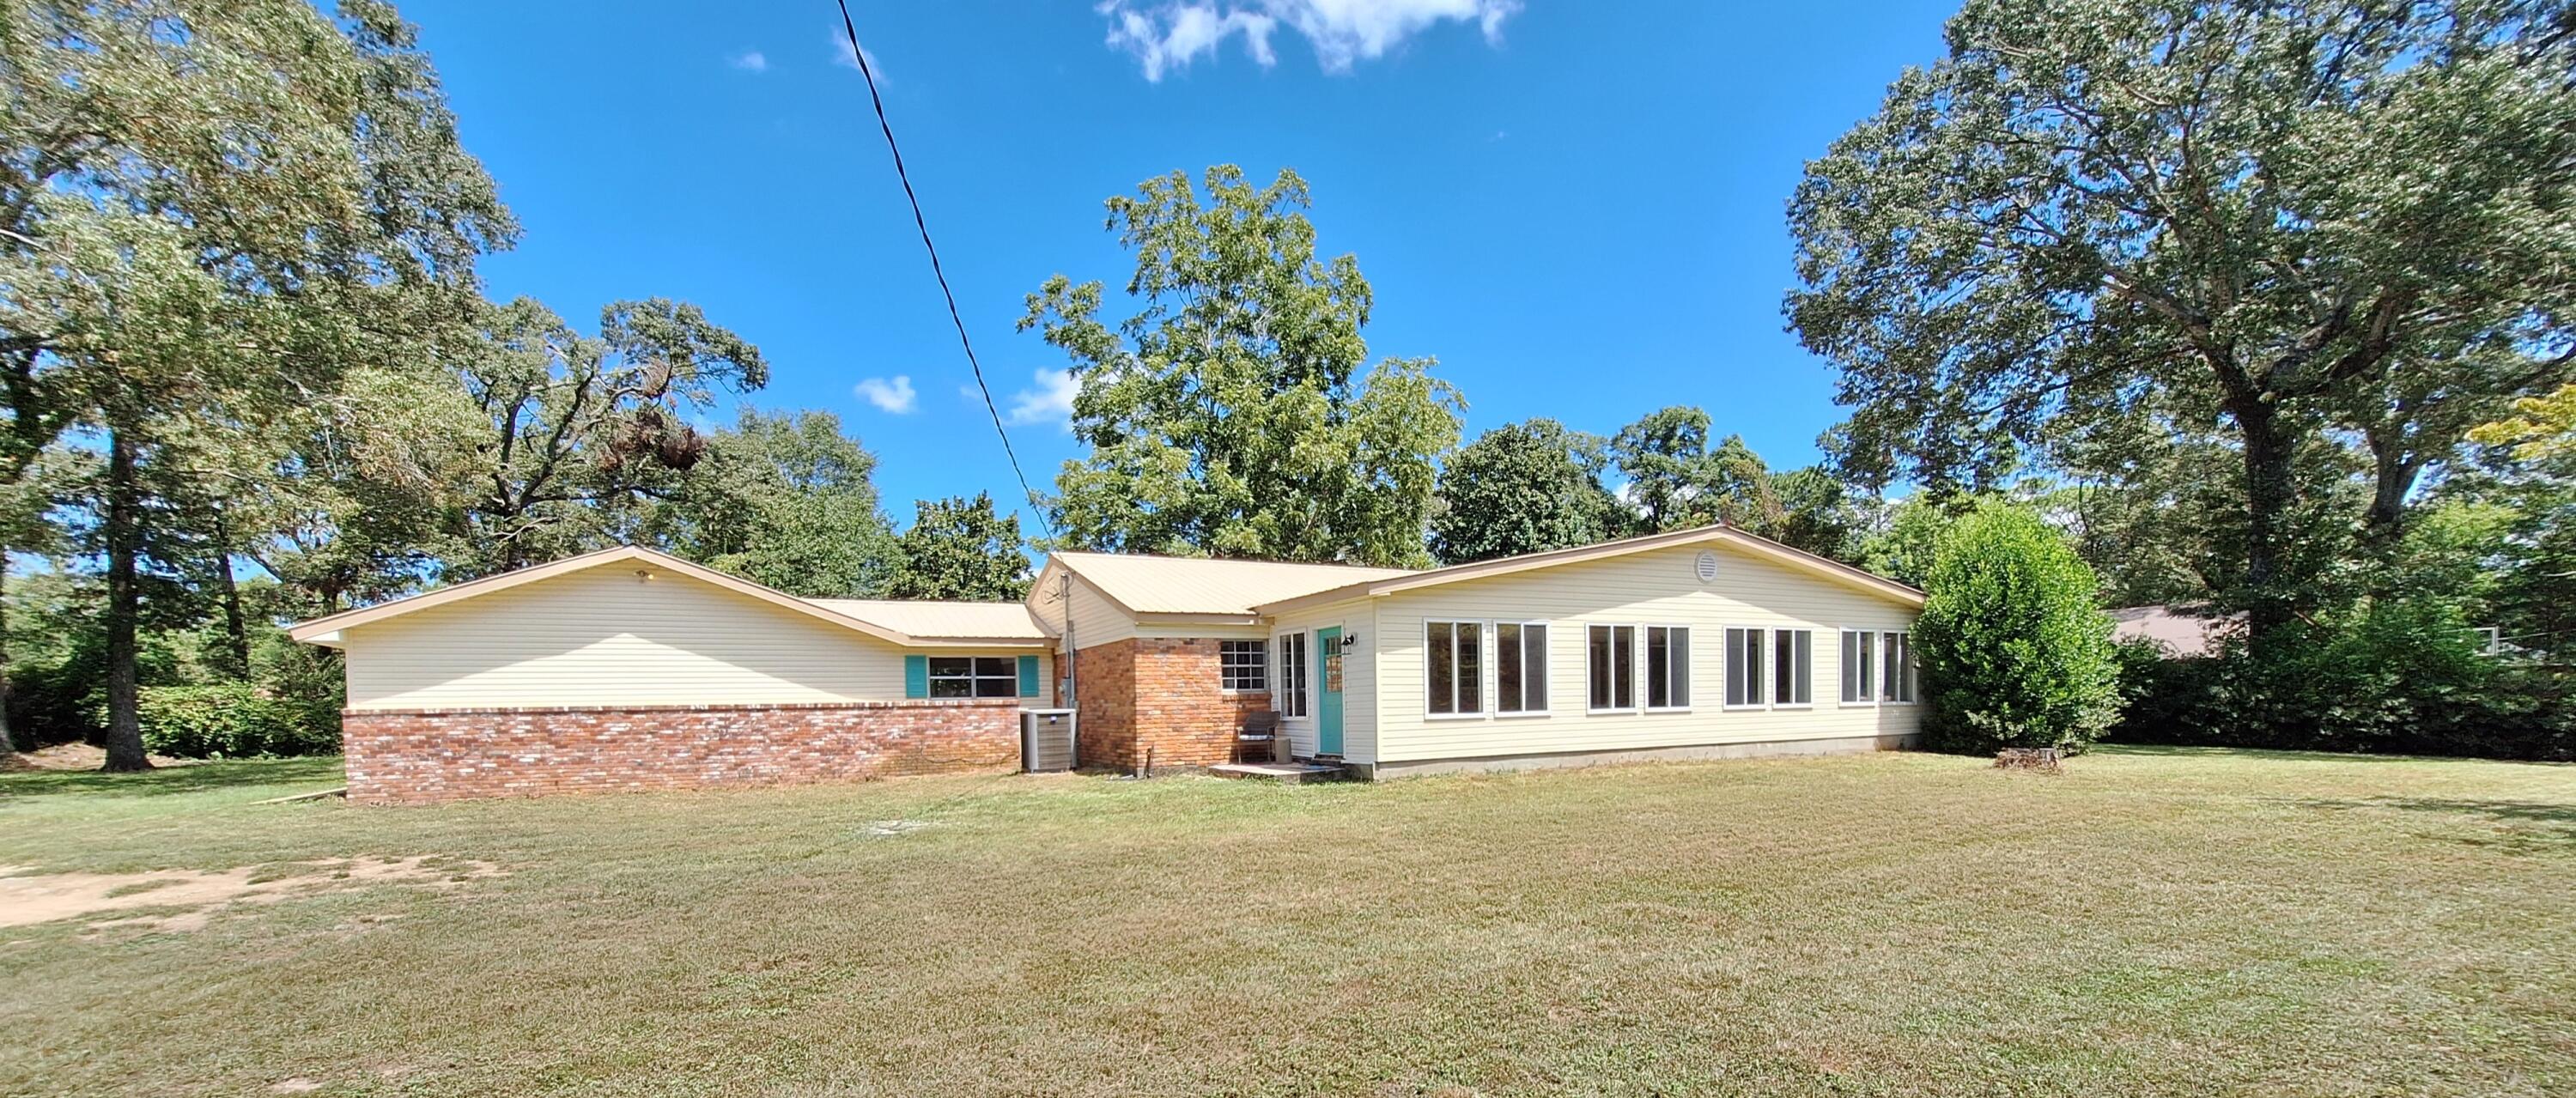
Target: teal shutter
916 676
1028 676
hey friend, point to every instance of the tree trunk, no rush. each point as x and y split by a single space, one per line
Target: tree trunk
6 742
124 543
2393 479
236 629
2270 492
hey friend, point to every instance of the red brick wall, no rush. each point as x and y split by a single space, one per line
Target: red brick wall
1158 693
418 756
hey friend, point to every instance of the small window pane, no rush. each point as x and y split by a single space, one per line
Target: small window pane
1680 644
1441 654
1659 669
1471 667
1597 661
1623 666
1534 678
1507 669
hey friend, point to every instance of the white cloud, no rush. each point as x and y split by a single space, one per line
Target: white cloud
1166 35
1050 402
895 396
841 56
751 61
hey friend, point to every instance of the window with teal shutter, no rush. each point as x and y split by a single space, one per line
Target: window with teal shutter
1028 676
916 676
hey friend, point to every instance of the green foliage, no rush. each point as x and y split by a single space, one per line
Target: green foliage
1523 487
2277 226
230 721
2389 676
783 500
2013 651
959 548
1677 479
1229 415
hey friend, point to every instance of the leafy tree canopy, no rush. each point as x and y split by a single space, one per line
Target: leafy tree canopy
1523 487
784 500
1229 414
960 548
2282 220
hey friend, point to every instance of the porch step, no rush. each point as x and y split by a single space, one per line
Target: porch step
1279 772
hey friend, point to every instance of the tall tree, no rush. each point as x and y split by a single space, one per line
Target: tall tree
1228 415
1523 487
784 500
2308 217
1677 478
576 429
207 211
960 548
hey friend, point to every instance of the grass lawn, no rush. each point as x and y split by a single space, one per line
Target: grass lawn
2150 922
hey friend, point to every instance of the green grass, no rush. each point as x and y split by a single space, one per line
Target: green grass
2173 922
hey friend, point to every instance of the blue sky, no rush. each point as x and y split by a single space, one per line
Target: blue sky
1577 207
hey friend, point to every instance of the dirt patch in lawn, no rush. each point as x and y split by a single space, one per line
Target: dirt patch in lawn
74 756
197 894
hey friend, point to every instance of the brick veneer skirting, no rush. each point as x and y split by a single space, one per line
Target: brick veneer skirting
418 756
1160 694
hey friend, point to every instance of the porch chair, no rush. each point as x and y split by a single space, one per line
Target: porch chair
1259 739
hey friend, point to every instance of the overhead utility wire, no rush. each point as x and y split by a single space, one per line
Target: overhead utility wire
878 101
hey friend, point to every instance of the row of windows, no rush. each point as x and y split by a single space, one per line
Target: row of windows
1764 667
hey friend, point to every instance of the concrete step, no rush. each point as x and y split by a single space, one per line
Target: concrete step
1279 772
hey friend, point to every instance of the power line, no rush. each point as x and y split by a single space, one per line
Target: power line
878 101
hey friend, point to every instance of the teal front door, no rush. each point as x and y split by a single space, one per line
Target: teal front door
1328 693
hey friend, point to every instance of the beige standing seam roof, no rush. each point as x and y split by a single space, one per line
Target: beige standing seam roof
1199 585
1717 534
934 618
951 620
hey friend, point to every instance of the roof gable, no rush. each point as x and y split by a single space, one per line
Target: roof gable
326 630
1148 585
1795 559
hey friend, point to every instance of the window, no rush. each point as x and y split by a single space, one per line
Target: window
1667 667
1743 667
1520 667
1612 659
974 677
1896 665
1242 665
1858 684
1290 699
1453 653
1793 667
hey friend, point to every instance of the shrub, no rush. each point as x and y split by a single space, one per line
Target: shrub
2014 652
230 721
2400 676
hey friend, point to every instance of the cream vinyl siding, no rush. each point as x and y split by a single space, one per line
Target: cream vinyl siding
1358 671
1649 588
605 637
1096 620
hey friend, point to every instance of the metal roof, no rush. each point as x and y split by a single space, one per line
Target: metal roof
943 620
1200 585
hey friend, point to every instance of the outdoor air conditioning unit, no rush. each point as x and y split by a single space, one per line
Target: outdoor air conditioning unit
1046 740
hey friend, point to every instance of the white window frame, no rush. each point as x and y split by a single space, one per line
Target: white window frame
1483 658
1546 664
1843 671
1774 657
1759 684
1636 667
1295 687
1645 689
1260 650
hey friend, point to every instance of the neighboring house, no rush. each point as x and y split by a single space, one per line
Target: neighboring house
2181 632
630 669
